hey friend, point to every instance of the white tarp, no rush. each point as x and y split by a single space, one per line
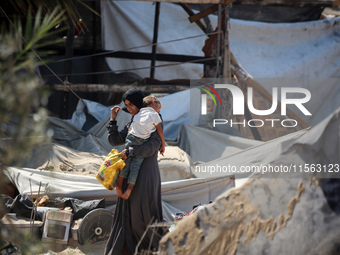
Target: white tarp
300 54
174 115
181 194
287 50
261 154
98 111
308 50
205 145
266 214
129 24
87 148
266 50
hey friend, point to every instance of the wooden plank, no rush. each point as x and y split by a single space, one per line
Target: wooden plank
297 3
117 88
208 11
185 1
203 13
226 57
191 13
256 2
251 82
289 2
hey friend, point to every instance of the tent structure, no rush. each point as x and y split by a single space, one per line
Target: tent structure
272 209
256 217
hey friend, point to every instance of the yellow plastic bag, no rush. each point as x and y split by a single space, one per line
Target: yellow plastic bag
109 171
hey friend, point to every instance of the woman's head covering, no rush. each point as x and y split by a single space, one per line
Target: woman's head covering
135 96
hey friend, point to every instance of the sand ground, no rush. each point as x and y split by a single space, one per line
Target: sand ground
73 247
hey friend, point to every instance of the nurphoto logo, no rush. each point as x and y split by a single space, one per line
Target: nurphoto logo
204 98
238 103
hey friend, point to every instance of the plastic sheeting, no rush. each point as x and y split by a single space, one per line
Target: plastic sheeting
129 24
266 50
299 54
316 147
261 154
287 50
182 194
174 115
85 108
21 205
266 214
214 144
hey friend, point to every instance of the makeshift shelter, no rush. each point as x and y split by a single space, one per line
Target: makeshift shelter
80 143
272 209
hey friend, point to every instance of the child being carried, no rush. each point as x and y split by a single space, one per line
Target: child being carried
145 122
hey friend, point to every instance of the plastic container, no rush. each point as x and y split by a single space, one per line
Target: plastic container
21 224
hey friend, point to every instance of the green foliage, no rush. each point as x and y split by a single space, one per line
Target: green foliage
70 7
27 41
22 100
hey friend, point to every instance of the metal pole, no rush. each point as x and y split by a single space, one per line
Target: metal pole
69 48
154 41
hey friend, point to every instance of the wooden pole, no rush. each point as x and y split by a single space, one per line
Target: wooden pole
226 58
117 88
218 49
297 3
251 82
191 13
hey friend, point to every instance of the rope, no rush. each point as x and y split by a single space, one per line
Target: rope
133 48
133 69
105 53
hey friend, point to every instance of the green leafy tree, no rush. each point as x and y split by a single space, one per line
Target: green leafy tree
22 98
70 7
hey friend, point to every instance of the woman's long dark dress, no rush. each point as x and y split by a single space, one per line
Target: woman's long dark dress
132 216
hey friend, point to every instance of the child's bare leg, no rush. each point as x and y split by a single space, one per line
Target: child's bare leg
127 193
119 187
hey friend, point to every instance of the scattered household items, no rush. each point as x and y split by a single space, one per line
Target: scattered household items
22 205
109 171
21 224
57 226
191 191
9 248
95 226
300 207
181 215
84 221
42 201
79 207
157 229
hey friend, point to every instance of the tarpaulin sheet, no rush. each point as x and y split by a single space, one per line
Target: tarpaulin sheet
284 51
181 194
266 50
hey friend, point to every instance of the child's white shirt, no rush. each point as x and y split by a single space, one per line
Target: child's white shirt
144 122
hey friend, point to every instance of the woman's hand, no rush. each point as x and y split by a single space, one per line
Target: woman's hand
124 154
162 150
114 112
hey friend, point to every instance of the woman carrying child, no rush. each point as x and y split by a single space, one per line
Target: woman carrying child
144 205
